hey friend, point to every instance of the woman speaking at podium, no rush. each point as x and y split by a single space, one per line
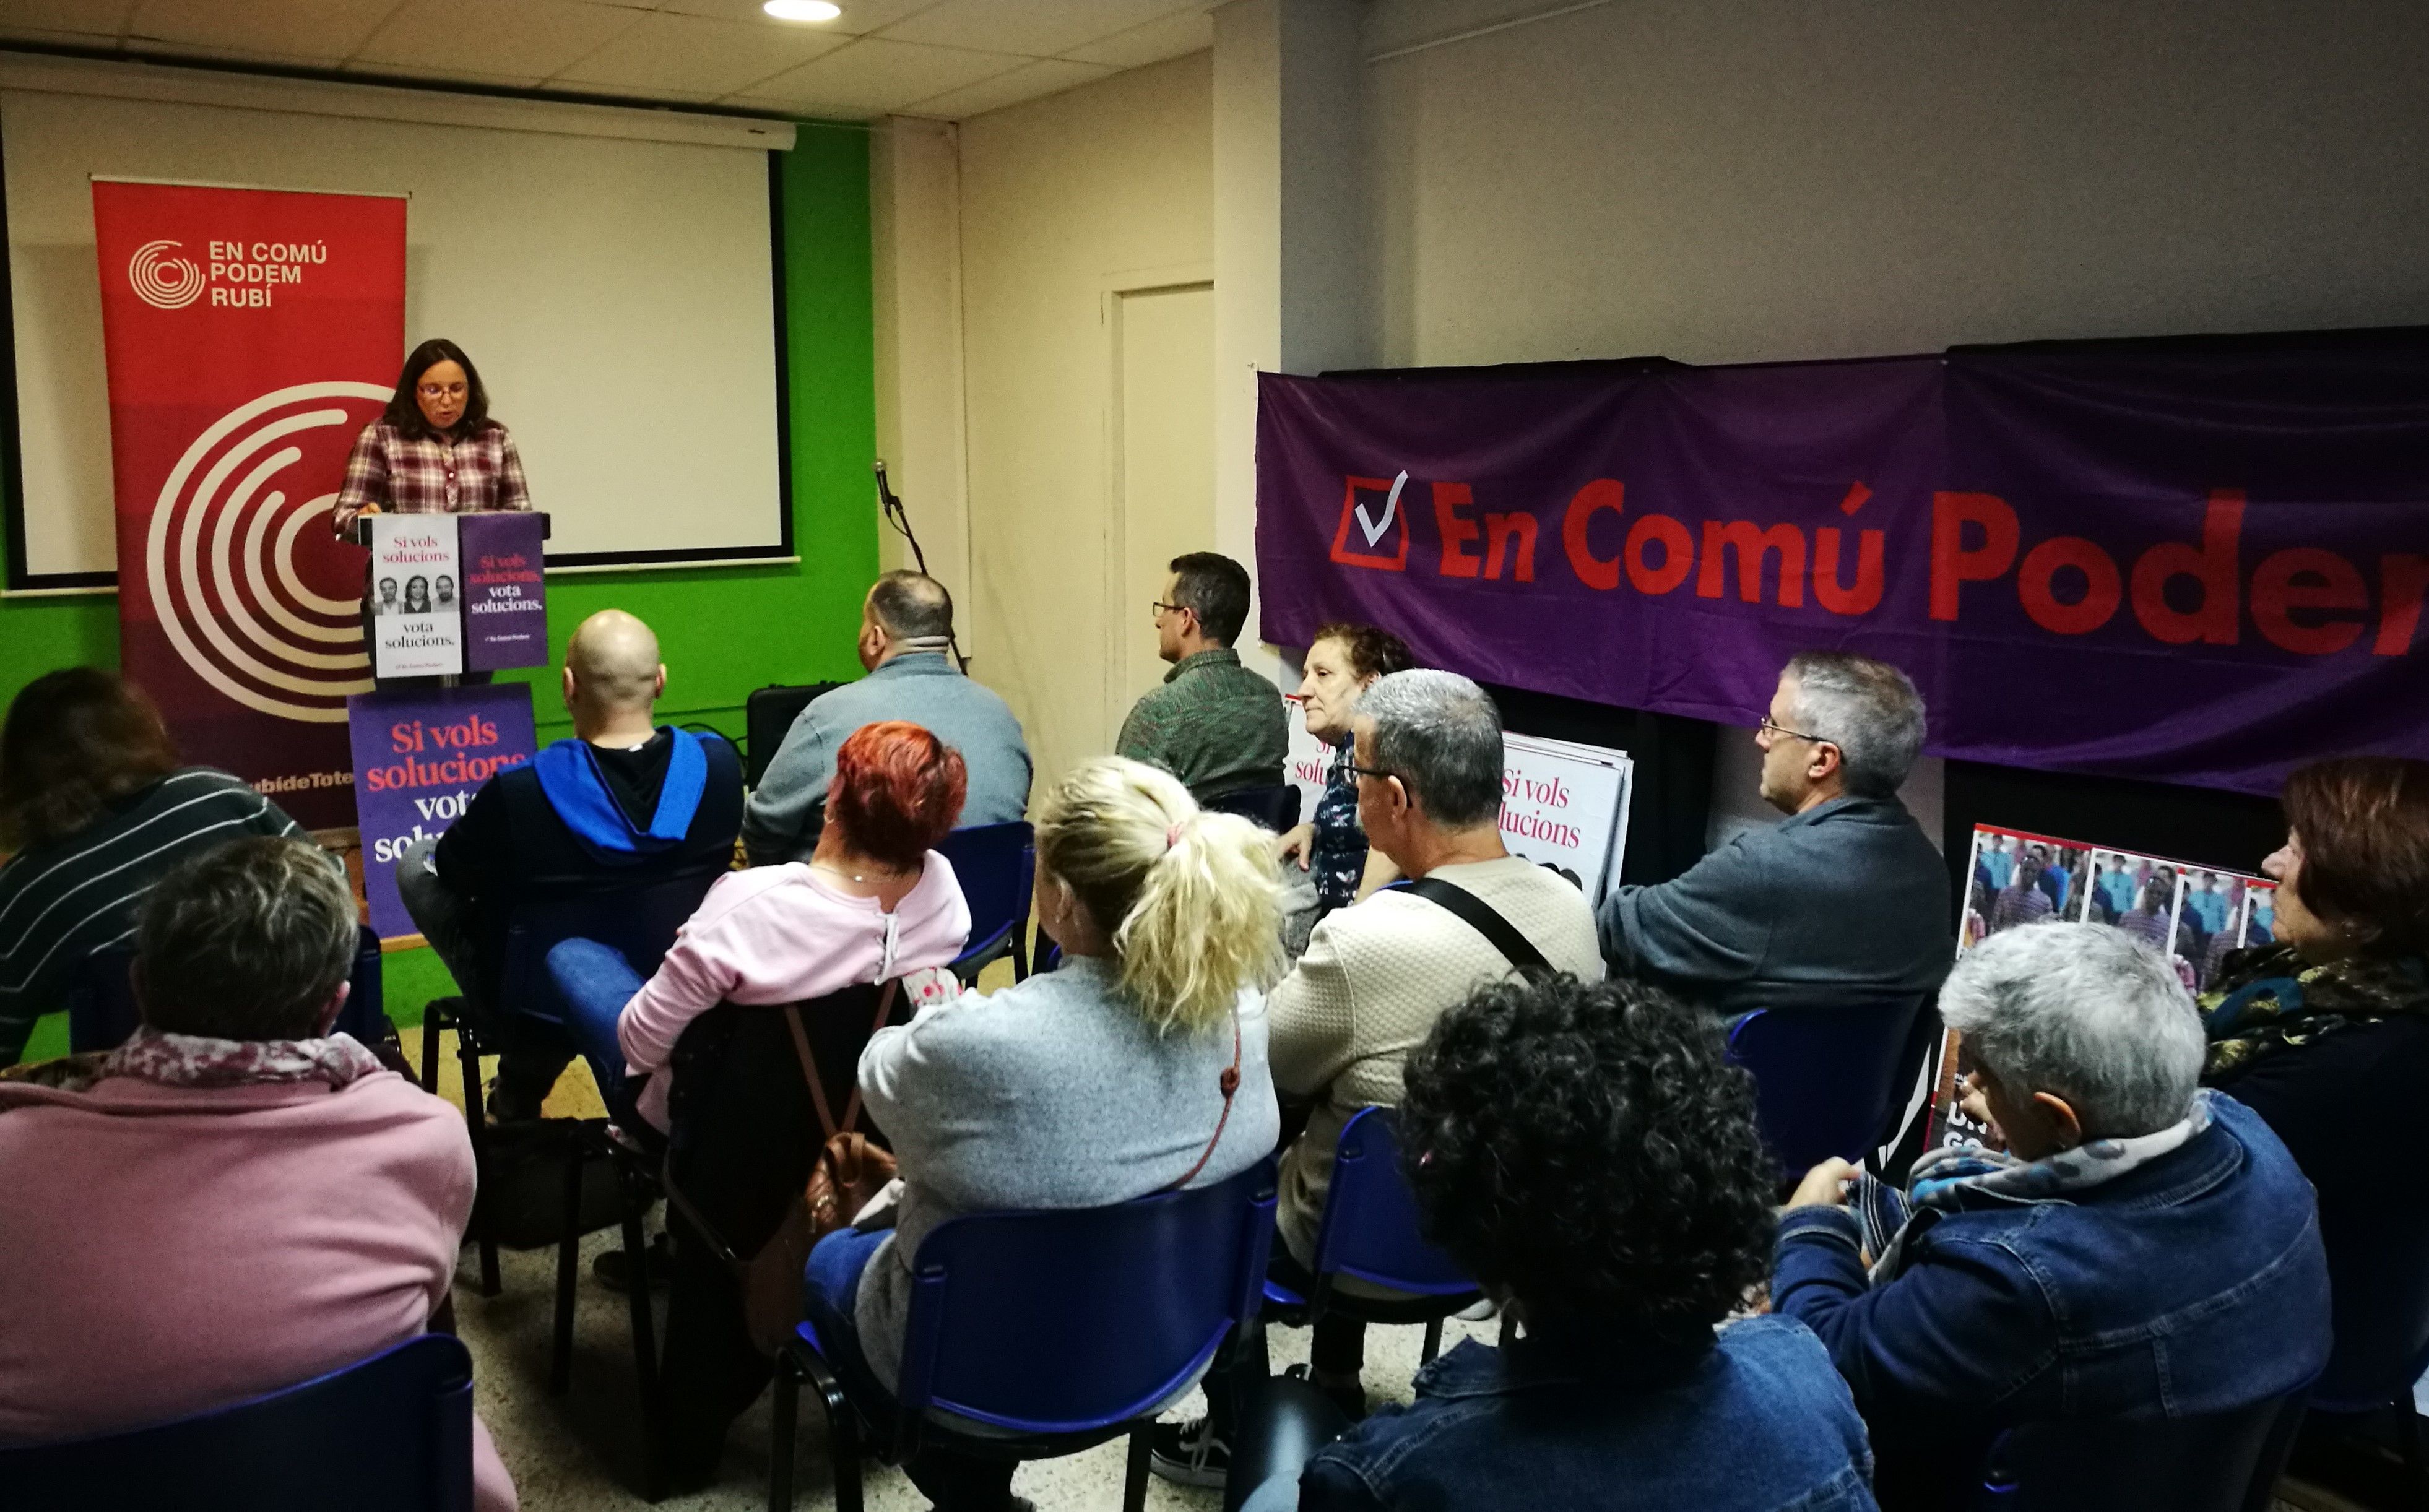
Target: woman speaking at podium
434 450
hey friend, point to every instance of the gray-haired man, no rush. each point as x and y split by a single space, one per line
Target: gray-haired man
1843 902
1377 975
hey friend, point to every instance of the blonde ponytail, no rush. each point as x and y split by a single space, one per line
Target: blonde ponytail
1192 900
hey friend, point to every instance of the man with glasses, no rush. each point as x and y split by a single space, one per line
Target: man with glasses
1214 724
1427 747
1844 902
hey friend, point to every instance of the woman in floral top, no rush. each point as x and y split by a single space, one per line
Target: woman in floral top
1343 663
2325 1034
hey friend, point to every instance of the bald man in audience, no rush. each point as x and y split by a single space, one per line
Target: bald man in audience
623 803
906 631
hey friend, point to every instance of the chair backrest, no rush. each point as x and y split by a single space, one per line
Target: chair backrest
744 1130
102 1011
1070 1322
391 1434
996 864
1276 808
2218 1462
1826 1080
1369 1228
640 921
766 715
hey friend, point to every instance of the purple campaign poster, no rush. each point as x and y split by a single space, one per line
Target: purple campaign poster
419 759
506 604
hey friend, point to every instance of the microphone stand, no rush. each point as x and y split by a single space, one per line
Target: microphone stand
900 518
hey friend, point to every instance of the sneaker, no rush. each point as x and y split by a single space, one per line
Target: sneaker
508 1104
1189 1454
613 1269
1351 1398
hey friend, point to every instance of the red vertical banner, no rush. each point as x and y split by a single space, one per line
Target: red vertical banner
250 335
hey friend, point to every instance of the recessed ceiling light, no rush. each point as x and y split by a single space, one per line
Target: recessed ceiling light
802 10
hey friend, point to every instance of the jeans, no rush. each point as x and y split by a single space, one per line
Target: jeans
593 983
830 1288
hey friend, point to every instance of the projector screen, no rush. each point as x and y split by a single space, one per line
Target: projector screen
612 273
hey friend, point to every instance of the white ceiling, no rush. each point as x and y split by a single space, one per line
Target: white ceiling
946 59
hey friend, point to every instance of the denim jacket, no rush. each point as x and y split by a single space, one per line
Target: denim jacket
1578 1419
2191 1285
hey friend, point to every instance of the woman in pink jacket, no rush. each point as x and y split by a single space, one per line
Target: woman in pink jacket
874 903
229 1203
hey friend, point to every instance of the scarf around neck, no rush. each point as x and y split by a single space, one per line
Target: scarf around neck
199 1060
2270 998
1957 1177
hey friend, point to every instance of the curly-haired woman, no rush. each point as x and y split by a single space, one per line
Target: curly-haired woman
2325 1034
1583 1150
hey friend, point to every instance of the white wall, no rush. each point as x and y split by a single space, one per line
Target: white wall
1760 180
1755 180
1062 200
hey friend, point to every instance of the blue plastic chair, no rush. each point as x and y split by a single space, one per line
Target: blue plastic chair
102 1011
997 866
1828 1081
641 922
2216 1462
1034 1334
391 1434
1369 1232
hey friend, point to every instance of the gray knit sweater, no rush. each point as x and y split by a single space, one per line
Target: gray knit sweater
1052 1093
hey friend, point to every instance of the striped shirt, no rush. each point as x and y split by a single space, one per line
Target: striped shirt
405 475
61 902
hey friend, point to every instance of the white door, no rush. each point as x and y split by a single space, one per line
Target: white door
1163 468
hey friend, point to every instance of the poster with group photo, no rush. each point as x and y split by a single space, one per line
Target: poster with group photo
2194 915
415 615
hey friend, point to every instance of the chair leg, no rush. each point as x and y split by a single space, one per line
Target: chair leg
1508 1327
784 1411
645 1350
569 1248
843 1434
1135 1476
434 1020
1433 1340
477 1123
2407 1440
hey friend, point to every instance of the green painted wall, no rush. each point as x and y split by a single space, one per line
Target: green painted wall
724 631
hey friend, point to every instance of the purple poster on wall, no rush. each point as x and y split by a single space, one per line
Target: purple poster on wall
419 759
505 606
2201 562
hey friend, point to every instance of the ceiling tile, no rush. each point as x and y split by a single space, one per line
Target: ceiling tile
1181 33
1032 81
859 16
695 56
328 29
22 18
528 38
1040 28
875 74
11 32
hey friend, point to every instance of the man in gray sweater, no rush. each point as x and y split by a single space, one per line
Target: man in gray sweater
906 626
1844 902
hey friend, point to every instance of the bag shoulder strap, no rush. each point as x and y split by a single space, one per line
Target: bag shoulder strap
810 1062
1482 917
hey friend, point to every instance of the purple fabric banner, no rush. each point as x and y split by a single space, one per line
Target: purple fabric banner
2199 562
505 600
419 759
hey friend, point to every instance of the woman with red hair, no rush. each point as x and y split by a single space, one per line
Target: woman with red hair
873 902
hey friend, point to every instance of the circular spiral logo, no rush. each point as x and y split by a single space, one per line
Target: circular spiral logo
250 589
161 280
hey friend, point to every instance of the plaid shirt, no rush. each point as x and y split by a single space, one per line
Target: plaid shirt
402 476
1215 725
